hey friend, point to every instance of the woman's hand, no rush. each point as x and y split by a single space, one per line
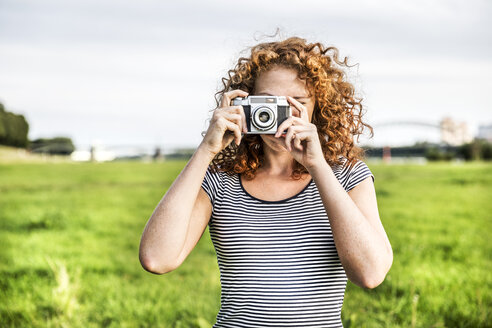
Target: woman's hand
226 124
301 139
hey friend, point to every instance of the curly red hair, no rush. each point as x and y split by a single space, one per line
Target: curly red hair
337 112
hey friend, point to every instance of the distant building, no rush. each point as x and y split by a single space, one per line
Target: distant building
454 133
97 153
485 132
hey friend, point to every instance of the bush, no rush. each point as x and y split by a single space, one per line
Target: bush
487 151
54 146
436 154
476 150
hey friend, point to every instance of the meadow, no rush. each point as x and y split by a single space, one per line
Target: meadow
70 233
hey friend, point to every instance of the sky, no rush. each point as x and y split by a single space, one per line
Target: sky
119 72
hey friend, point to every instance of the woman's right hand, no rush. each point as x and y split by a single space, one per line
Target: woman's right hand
226 124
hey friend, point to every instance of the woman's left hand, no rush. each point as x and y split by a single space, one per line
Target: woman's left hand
301 139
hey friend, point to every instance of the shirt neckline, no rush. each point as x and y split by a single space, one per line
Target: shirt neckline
273 201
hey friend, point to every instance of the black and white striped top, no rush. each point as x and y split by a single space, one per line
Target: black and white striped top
277 259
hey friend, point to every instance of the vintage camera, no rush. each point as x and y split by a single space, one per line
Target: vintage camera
264 114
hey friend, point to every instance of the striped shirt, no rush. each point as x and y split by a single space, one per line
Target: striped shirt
277 259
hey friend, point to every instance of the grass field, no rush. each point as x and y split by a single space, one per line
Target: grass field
70 232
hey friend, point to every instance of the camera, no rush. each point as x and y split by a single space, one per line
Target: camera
264 114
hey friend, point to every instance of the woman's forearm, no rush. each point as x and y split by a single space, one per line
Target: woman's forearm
165 232
362 250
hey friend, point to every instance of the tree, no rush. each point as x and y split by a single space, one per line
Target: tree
13 129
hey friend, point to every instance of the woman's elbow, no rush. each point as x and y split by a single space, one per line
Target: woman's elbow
153 267
372 281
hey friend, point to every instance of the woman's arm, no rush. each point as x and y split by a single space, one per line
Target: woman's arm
164 238
164 235
362 244
360 239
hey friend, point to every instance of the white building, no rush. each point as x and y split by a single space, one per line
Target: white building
454 133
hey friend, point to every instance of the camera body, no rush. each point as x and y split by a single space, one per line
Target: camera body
264 114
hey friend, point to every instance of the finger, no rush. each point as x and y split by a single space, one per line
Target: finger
297 142
234 117
289 122
228 96
290 135
303 136
285 124
231 126
240 111
227 128
302 109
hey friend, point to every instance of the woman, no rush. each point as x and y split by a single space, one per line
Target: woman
291 215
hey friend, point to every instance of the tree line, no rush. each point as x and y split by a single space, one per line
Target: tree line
478 149
14 130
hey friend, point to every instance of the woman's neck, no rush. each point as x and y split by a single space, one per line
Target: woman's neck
277 163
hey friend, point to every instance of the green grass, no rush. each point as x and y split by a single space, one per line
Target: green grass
70 232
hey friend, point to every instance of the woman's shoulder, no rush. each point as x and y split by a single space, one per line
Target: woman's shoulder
351 173
342 164
213 182
219 175
346 164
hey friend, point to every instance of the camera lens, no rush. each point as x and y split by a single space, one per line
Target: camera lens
263 118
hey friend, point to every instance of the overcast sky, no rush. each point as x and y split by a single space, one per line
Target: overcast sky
145 72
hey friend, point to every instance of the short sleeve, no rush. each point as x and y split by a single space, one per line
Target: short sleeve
211 184
359 172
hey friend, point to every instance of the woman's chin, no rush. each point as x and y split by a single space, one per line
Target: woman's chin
272 142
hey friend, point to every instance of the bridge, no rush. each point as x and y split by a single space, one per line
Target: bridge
438 126
452 134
